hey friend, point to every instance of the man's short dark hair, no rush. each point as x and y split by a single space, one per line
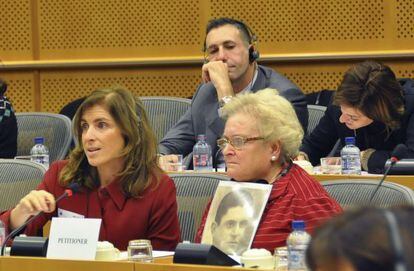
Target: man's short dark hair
242 27
372 88
233 199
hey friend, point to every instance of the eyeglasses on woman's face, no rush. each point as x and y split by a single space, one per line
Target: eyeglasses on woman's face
236 141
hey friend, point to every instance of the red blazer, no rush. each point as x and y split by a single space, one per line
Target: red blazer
152 216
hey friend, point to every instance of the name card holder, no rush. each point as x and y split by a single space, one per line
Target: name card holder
73 238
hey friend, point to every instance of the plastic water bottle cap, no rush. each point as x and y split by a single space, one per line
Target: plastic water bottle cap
201 137
39 140
298 225
350 140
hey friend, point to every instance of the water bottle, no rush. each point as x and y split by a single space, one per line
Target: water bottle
351 158
202 160
2 233
297 242
39 153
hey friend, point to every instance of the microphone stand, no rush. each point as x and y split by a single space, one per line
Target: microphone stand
393 162
68 193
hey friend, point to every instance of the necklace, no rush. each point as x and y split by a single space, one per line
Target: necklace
282 173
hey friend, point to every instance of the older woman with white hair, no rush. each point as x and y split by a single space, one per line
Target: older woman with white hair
261 136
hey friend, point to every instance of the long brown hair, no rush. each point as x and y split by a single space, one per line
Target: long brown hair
140 151
373 89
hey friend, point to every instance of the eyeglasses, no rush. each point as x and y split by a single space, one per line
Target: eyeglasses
236 141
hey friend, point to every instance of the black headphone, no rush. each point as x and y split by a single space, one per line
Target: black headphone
396 241
247 31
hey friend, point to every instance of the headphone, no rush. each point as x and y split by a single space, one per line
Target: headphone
396 241
247 31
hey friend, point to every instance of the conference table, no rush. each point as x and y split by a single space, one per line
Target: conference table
160 264
407 180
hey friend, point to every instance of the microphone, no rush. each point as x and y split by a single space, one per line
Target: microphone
73 188
404 166
399 152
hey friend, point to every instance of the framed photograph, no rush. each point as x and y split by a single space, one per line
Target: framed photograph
234 215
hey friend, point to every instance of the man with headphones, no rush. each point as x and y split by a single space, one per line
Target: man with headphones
230 69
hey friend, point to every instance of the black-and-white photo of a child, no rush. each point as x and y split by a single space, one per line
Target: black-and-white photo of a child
234 216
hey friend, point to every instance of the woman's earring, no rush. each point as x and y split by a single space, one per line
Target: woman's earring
273 158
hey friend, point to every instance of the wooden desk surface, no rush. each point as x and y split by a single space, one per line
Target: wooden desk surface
29 264
407 180
160 264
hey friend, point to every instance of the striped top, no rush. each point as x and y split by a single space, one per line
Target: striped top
295 196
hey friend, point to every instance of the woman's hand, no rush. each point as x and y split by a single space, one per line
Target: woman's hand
33 203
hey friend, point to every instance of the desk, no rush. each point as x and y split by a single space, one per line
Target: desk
407 180
28 263
161 264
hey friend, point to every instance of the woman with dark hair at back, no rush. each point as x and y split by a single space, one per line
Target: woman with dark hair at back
366 239
8 125
115 163
372 106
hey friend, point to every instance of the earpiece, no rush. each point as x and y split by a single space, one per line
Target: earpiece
253 54
252 39
396 241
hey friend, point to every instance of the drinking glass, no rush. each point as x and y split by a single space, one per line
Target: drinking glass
177 165
140 250
171 162
331 165
281 259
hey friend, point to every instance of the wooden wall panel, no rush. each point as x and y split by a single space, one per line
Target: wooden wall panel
311 77
165 31
405 19
15 30
59 88
21 90
299 26
118 28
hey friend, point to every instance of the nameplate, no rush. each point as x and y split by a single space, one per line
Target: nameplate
73 238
